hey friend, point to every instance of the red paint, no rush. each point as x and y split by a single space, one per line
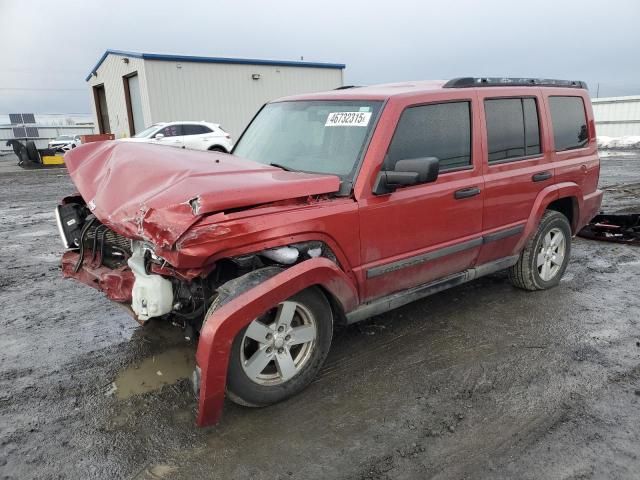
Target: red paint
144 191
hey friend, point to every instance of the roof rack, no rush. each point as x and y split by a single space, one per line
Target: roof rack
469 82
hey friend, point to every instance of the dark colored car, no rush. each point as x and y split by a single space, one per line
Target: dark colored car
332 207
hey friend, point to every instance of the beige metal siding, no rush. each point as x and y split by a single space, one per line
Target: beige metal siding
617 116
110 74
226 93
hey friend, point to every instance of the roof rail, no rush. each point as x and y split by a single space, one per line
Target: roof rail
469 82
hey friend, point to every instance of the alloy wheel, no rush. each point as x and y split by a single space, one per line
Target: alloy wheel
278 345
551 254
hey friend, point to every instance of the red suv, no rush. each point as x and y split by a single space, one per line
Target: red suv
332 207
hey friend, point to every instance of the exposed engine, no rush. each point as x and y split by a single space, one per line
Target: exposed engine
153 295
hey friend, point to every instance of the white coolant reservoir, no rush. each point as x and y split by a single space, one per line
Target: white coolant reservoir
152 295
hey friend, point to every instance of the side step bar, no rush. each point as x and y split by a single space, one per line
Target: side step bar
395 300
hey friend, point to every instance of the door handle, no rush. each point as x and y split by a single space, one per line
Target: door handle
541 177
466 193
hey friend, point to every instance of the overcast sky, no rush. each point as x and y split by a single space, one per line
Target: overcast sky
47 47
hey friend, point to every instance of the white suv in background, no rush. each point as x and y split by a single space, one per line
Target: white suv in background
65 142
192 135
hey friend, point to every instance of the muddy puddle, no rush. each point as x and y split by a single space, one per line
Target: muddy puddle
155 372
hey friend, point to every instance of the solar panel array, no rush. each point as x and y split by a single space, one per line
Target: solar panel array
32 132
22 118
25 132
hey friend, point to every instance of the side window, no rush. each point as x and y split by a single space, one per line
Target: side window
512 128
441 130
171 131
569 122
190 129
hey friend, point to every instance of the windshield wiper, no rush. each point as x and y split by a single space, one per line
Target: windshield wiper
286 169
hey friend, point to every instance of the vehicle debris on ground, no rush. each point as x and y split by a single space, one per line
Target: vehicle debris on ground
618 228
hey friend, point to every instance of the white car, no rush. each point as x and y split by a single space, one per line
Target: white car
192 135
65 142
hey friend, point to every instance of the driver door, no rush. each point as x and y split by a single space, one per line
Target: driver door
421 233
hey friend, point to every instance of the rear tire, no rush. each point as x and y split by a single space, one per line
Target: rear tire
217 148
32 152
545 257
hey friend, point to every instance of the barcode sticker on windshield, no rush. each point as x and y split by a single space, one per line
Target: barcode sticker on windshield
348 119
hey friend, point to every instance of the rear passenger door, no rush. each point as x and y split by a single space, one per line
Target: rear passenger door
421 233
516 168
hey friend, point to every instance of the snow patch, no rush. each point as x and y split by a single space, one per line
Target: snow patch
626 142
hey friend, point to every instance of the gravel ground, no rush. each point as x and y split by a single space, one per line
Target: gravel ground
481 381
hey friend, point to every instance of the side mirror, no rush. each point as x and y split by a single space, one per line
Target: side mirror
407 172
158 136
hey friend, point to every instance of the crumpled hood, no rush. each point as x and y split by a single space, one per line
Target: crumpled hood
156 192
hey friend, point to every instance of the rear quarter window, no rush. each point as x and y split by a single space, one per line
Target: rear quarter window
190 129
569 123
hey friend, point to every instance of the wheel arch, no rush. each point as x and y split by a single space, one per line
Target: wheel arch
553 197
337 309
217 147
569 207
331 248
221 326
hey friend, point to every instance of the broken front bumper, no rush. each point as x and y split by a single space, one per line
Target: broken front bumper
116 283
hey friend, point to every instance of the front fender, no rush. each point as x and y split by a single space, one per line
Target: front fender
224 324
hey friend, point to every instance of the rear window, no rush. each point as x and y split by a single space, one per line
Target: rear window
512 128
569 122
191 129
440 130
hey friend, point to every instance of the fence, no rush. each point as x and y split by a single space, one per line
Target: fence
45 133
617 116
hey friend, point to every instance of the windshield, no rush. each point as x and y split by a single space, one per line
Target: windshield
311 136
62 138
147 131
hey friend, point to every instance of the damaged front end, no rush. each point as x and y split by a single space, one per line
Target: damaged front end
122 268
131 273
161 232
124 231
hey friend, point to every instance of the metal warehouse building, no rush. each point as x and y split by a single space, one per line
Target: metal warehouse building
617 116
134 90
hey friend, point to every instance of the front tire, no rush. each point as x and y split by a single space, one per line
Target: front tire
545 257
278 354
